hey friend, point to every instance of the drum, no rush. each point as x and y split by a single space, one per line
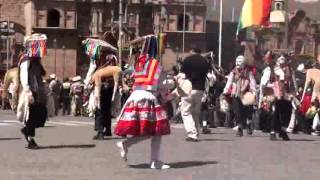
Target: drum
248 99
224 104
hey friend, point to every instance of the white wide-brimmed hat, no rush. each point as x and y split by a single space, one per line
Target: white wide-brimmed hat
301 68
281 60
77 78
52 76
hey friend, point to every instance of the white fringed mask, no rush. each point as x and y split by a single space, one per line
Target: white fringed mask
240 62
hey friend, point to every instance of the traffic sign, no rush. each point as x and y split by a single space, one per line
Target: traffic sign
7 30
5 37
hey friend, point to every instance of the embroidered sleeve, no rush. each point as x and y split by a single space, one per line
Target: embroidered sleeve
265 77
91 70
280 73
229 82
252 82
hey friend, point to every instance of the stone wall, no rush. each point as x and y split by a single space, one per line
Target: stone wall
14 10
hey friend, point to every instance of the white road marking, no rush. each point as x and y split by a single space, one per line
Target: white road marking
8 122
50 123
82 122
66 123
5 124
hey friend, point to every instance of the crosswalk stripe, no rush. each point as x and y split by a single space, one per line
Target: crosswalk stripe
81 122
69 123
5 124
10 121
177 126
64 123
52 123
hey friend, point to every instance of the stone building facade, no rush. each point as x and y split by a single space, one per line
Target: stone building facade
68 22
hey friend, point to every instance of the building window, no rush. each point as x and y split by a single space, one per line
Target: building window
53 19
279 6
180 22
99 21
214 7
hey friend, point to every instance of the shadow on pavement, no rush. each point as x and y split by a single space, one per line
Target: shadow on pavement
49 126
68 146
177 165
216 140
9 139
306 140
211 133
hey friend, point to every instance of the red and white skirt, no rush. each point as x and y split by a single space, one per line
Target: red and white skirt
142 115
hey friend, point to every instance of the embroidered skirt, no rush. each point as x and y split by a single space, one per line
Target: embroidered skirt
142 115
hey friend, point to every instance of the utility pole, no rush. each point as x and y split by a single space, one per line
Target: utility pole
55 55
184 26
286 28
8 29
220 33
64 61
120 33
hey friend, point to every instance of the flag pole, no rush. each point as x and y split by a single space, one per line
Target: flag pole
120 33
220 34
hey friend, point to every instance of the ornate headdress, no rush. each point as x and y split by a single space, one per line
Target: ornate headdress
36 45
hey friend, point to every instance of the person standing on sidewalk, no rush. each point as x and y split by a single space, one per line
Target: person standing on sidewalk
55 88
195 67
76 92
65 97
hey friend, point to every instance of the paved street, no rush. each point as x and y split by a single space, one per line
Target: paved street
69 153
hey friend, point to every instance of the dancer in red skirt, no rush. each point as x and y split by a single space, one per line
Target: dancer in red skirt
142 116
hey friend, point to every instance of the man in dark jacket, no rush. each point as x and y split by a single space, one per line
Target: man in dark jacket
65 97
195 67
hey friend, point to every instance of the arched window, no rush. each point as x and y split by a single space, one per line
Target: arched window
279 6
53 19
180 22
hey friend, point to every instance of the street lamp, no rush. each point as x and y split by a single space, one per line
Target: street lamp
55 54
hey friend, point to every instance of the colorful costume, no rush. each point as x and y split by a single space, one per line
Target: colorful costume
32 103
142 115
240 81
103 65
278 78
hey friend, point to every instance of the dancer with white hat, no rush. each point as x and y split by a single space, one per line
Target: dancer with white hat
241 87
32 102
76 92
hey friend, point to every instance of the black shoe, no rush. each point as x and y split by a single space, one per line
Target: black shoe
107 133
190 139
24 132
239 132
273 137
249 131
284 136
99 136
206 131
32 144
